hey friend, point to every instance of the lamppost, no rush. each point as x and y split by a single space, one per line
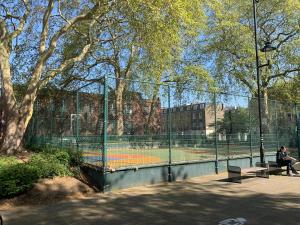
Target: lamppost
267 48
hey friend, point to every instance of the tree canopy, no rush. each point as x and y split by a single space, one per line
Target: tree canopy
230 41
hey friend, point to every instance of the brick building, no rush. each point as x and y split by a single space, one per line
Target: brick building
192 119
56 114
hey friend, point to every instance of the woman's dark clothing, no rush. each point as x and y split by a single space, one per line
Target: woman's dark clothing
285 162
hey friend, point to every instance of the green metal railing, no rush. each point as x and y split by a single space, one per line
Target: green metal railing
142 124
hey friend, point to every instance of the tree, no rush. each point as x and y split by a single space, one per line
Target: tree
230 42
286 91
31 36
143 41
234 121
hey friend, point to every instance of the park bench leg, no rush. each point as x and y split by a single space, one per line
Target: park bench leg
263 173
234 174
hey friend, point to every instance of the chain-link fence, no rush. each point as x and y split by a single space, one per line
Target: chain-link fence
119 123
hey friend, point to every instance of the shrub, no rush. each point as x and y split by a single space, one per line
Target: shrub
16 178
76 157
62 156
7 161
48 165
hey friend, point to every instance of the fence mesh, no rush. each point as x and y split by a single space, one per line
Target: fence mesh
141 124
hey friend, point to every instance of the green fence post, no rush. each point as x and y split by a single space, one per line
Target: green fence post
105 124
77 119
277 128
61 122
297 129
169 135
100 125
216 137
51 121
38 139
250 133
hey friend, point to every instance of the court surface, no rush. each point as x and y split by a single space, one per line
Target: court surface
125 157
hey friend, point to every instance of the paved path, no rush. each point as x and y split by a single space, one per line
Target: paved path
199 201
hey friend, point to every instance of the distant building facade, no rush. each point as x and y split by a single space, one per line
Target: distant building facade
66 114
192 119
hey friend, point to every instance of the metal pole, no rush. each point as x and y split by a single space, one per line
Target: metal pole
297 129
276 117
61 122
169 135
105 124
250 133
216 137
51 120
77 119
262 154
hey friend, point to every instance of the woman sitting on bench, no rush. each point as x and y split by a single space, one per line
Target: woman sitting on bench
283 159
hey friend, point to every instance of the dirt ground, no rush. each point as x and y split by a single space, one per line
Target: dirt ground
48 191
200 201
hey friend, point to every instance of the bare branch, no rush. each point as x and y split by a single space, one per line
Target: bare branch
286 39
284 74
99 60
45 29
22 21
130 61
65 64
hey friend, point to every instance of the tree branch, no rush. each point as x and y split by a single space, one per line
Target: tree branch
45 28
65 64
130 61
22 21
283 74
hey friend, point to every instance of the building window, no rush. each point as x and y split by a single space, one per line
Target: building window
194 115
195 107
128 109
128 126
112 107
91 108
289 116
200 115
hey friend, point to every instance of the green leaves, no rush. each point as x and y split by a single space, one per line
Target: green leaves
17 177
230 40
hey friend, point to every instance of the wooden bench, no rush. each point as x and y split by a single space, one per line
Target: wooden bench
275 169
236 173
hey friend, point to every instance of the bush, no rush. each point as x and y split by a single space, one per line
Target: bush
16 178
48 165
65 155
76 157
7 161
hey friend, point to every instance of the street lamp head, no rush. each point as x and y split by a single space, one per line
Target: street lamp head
268 47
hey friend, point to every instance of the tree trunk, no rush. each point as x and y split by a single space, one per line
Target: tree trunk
16 124
13 136
151 119
119 107
15 117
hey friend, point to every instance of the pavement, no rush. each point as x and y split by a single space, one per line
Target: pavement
207 200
